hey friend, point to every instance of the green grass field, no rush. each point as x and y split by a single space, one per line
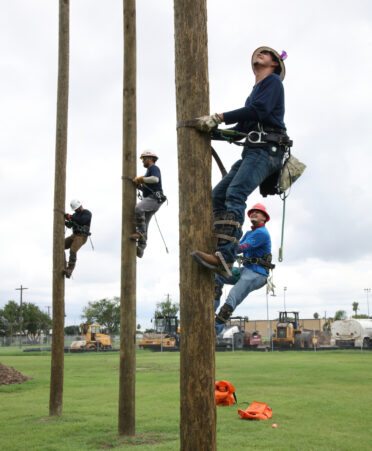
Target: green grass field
320 401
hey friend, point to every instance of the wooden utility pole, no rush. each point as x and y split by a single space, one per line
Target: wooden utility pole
56 377
128 247
21 313
198 409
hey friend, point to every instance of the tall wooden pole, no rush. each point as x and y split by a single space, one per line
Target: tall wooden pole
56 378
198 410
128 247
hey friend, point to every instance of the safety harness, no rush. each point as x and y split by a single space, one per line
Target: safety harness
260 136
264 261
77 228
160 196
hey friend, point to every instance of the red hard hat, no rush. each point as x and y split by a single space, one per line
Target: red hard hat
148 153
259 207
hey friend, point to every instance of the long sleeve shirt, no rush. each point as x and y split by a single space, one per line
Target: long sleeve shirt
265 104
152 171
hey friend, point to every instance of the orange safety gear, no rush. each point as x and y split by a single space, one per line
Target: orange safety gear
148 153
261 208
256 411
224 393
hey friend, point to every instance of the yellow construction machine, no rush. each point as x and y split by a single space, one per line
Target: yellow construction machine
290 334
166 336
92 339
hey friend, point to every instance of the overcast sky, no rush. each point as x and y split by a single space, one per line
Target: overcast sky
327 248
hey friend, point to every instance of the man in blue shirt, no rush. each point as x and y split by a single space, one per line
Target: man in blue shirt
262 118
152 199
256 249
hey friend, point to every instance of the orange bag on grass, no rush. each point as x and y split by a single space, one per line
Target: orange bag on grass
224 393
256 411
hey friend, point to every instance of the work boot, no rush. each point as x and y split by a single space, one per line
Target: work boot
224 314
215 262
222 317
140 251
67 272
210 261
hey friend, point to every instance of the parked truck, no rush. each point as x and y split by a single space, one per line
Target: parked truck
352 333
290 334
235 335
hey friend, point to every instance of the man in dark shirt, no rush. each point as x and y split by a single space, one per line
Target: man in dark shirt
262 117
80 224
152 199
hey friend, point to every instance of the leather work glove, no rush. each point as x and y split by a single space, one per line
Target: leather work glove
139 180
68 223
208 123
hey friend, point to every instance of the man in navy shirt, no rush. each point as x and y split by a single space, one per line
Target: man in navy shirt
262 118
80 224
152 198
256 249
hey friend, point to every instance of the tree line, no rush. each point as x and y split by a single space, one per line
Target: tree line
32 324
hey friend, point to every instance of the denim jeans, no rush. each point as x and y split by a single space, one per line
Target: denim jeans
249 281
231 193
146 208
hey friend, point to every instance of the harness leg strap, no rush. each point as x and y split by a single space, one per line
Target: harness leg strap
217 290
225 227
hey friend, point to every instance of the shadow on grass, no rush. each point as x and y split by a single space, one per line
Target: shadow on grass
137 440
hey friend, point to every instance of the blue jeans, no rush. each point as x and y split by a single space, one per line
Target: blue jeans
249 281
231 193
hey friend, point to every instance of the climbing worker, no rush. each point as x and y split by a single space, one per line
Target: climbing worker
80 224
256 264
152 199
262 118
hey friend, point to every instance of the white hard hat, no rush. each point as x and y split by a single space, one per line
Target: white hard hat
149 153
75 204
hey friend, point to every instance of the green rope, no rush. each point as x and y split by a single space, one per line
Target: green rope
280 258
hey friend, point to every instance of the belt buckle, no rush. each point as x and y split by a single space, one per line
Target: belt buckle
259 134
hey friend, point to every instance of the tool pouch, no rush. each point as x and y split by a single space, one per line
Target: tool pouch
161 198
